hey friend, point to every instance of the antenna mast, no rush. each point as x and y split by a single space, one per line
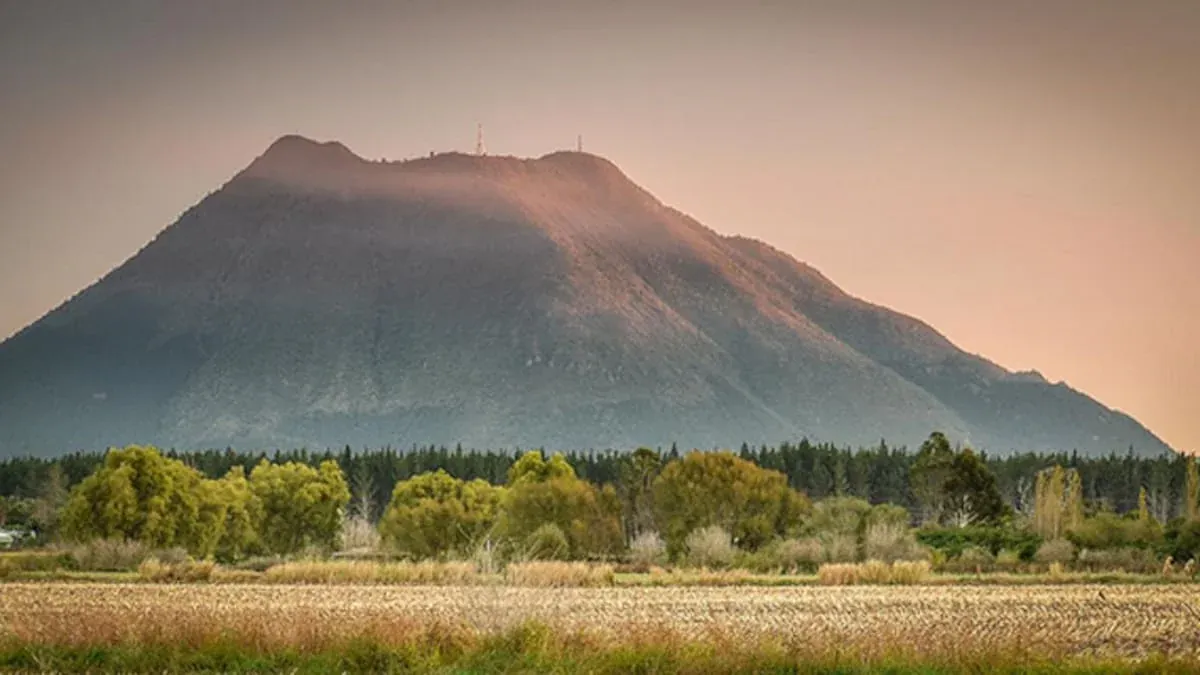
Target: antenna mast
579 143
479 141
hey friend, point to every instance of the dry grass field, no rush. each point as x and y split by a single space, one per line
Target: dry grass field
1125 621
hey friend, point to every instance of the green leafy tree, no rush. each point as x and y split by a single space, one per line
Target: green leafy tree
240 514
928 476
139 494
547 492
301 506
433 514
1058 502
705 489
636 489
533 467
1192 490
971 496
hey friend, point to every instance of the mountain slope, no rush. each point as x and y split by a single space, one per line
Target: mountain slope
320 299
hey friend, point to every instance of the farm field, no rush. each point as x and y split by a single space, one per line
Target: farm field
866 624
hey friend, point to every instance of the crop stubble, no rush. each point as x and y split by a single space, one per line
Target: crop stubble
1110 620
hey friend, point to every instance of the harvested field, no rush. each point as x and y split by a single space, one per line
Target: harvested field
1089 620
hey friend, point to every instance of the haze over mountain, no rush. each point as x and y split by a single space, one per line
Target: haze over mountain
319 299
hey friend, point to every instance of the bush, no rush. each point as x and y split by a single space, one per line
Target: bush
1181 540
1133 560
358 534
971 560
838 548
1058 551
113 555
709 547
559 574
793 555
909 572
874 572
953 541
892 541
1008 561
648 549
35 561
547 542
1110 531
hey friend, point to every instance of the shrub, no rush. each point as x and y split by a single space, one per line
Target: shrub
840 516
839 548
874 572
558 574
1118 560
110 555
1110 531
892 541
1058 551
794 555
838 574
358 534
709 547
804 554
1182 539
547 542
648 549
971 560
953 541
910 572
35 561
1008 561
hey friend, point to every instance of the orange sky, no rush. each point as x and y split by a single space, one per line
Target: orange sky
1024 177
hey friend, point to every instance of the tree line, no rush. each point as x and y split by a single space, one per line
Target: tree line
877 474
700 506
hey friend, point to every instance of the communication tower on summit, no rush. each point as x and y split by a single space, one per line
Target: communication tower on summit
479 150
579 143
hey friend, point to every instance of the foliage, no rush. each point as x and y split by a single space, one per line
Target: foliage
1110 531
648 548
970 493
589 516
954 540
534 468
710 547
434 514
301 506
1058 502
548 542
1181 540
1055 552
558 574
719 489
139 495
930 471
1192 491
635 487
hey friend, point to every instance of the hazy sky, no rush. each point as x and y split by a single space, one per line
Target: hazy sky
1025 176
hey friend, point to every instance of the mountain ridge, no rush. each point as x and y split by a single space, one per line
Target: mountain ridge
319 298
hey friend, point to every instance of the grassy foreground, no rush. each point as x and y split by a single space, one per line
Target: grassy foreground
534 648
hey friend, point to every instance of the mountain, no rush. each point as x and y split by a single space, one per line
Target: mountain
319 299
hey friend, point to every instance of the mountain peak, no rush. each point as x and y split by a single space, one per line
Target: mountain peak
294 151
